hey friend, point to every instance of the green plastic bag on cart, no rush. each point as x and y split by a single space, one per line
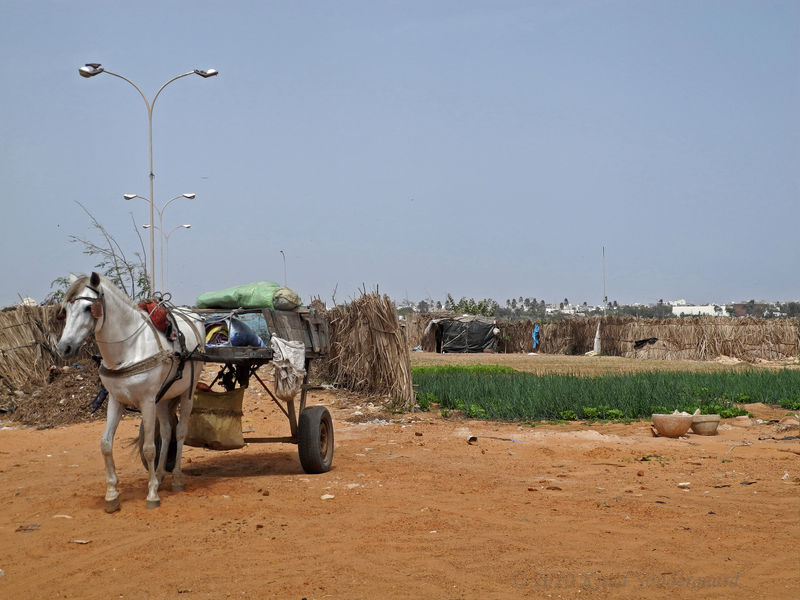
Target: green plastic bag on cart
260 294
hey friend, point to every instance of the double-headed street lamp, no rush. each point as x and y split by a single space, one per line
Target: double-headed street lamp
165 242
160 212
92 69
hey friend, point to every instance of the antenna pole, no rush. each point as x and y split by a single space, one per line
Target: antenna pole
605 298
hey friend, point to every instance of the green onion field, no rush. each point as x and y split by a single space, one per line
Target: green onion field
502 393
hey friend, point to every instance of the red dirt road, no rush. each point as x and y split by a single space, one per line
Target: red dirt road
412 511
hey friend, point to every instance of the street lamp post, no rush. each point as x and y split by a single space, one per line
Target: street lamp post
92 69
165 243
160 212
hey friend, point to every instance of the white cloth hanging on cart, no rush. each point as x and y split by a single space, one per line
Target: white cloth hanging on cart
288 361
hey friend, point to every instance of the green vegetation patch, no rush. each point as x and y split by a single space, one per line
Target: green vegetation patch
792 403
493 392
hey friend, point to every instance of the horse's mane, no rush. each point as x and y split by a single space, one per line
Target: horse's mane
108 286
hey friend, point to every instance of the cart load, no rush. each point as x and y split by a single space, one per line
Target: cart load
244 339
260 294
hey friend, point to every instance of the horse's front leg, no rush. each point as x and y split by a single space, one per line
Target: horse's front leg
113 415
149 453
180 434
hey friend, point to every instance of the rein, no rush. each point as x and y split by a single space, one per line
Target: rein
135 332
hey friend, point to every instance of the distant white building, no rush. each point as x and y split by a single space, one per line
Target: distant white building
563 309
707 310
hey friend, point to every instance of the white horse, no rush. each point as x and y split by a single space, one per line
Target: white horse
139 362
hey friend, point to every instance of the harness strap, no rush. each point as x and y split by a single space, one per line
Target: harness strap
139 367
195 330
182 356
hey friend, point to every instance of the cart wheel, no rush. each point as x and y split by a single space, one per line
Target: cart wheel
172 452
315 439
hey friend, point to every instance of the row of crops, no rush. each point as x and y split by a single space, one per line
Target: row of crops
496 392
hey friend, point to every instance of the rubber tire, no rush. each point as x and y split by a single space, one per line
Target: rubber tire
173 444
315 439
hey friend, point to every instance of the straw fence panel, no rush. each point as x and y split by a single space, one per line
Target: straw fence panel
28 337
415 325
369 349
702 338
687 338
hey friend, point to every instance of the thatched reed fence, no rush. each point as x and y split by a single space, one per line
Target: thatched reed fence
701 338
28 337
369 350
415 324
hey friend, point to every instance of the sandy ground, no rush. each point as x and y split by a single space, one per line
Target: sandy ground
410 510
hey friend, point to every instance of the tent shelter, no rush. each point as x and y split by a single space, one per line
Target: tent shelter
465 333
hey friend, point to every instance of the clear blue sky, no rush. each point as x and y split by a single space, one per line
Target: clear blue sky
485 149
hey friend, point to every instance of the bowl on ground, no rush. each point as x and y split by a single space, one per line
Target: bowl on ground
705 424
674 425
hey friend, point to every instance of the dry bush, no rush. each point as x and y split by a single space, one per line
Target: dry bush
64 400
36 393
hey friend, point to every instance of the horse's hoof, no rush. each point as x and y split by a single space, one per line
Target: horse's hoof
177 487
153 503
112 506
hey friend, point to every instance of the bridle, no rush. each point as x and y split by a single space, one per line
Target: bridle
96 307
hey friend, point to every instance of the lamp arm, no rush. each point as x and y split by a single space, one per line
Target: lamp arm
161 89
136 87
167 203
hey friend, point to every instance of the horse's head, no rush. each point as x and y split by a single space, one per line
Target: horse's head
82 308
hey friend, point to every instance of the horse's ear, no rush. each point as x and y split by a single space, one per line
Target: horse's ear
94 279
72 278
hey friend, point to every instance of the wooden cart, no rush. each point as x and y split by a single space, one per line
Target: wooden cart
310 427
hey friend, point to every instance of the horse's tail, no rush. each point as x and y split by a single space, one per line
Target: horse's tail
172 451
